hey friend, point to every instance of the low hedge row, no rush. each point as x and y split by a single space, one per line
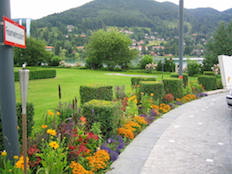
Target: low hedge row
208 82
135 80
174 86
30 122
105 112
90 92
38 74
152 88
185 78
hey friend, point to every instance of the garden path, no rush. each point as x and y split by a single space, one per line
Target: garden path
195 138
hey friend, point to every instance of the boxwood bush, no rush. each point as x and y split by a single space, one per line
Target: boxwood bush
185 78
90 92
38 74
105 112
135 80
174 86
208 82
152 87
30 122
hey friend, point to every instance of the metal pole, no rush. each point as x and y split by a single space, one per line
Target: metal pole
24 78
7 91
181 40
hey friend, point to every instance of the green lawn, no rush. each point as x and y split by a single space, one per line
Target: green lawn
44 93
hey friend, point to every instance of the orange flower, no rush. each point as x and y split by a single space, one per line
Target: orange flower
20 163
128 133
44 126
83 119
50 113
152 94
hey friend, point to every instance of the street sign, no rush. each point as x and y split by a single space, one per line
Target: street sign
14 34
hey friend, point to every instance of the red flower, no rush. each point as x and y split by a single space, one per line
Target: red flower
72 147
33 150
91 135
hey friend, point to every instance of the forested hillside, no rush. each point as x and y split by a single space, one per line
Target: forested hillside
71 27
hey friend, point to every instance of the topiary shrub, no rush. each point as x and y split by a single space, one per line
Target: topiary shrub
152 88
90 92
185 78
208 82
105 112
30 122
174 86
38 74
209 73
135 80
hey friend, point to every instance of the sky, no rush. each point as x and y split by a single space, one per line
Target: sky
36 9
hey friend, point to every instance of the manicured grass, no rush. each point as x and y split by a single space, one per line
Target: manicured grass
44 93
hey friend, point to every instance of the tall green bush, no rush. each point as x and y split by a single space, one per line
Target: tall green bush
105 112
174 86
193 68
145 60
30 122
208 82
99 92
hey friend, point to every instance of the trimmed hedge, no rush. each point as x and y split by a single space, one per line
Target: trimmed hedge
30 122
38 74
135 80
185 78
149 87
209 73
91 92
105 112
174 86
208 82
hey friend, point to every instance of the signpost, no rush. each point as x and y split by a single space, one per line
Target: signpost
14 34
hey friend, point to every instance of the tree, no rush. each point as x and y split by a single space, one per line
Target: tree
33 55
145 60
110 48
219 44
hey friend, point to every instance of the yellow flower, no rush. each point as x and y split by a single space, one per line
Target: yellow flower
4 153
54 144
20 163
44 126
50 113
57 113
51 132
152 94
15 157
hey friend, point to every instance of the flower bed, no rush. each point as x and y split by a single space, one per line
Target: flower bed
71 143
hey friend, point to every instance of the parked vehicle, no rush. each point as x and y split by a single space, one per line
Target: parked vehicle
229 99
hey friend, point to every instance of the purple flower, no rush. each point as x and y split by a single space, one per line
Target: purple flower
201 94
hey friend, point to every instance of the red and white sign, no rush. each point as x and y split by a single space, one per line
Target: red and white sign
14 34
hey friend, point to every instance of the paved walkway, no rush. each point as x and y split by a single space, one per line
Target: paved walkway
195 138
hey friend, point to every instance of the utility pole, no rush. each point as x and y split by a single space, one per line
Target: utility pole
181 40
7 90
